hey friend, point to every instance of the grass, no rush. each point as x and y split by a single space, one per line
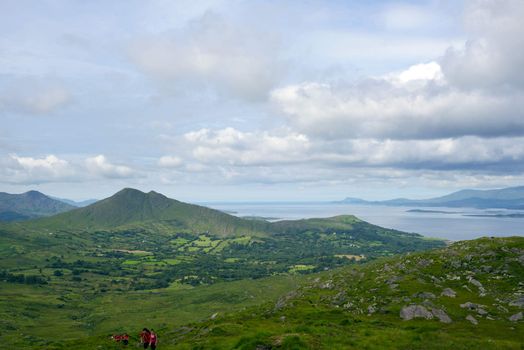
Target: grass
43 317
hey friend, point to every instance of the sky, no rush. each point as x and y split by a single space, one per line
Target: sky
261 100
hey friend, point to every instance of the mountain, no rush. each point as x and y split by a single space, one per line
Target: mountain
32 204
78 204
133 208
466 296
507 198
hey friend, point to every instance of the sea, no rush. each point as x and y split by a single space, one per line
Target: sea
447 223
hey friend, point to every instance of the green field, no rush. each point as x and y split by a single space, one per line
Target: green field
136 260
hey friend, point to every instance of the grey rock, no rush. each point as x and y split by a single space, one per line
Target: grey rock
516 317
424 295
424 263
475 283
518 302
469 305
371 309
472 319
441 315
481 311
448 292
521 259
327 285
415 311
487 268
283 301
467 288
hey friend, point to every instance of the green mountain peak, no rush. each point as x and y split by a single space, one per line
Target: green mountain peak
133 208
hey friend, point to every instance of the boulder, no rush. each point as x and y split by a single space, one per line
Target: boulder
448 292
518 302
481 311
472 319
470 306
415 311
424 295
516 317
475 283
441 315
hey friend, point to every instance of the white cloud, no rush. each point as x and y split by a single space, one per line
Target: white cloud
406 17
170 161
477 89
422 71
380 109
284 148
211 52
234 147
494 55
100 166
32 95
16 169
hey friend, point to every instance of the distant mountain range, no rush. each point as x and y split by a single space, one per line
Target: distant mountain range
29 205
506 198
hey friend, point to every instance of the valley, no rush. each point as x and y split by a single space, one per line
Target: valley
136 251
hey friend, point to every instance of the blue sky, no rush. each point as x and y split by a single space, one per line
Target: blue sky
257 100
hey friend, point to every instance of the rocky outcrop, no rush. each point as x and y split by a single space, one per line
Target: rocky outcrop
415 311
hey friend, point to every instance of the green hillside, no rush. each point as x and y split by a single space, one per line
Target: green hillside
131 207
138 257
469 295
28 205
466 296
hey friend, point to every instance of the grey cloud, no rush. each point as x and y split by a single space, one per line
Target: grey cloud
213 53
478 91
32 95
385 110
286 148
493 57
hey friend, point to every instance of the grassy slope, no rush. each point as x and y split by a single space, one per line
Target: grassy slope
331 312
99 302
36 317
130 207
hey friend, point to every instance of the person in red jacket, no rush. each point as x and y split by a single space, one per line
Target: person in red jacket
145 337
153 339
125 338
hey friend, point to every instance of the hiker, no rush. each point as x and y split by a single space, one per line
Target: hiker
125 339
145 337
153 340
